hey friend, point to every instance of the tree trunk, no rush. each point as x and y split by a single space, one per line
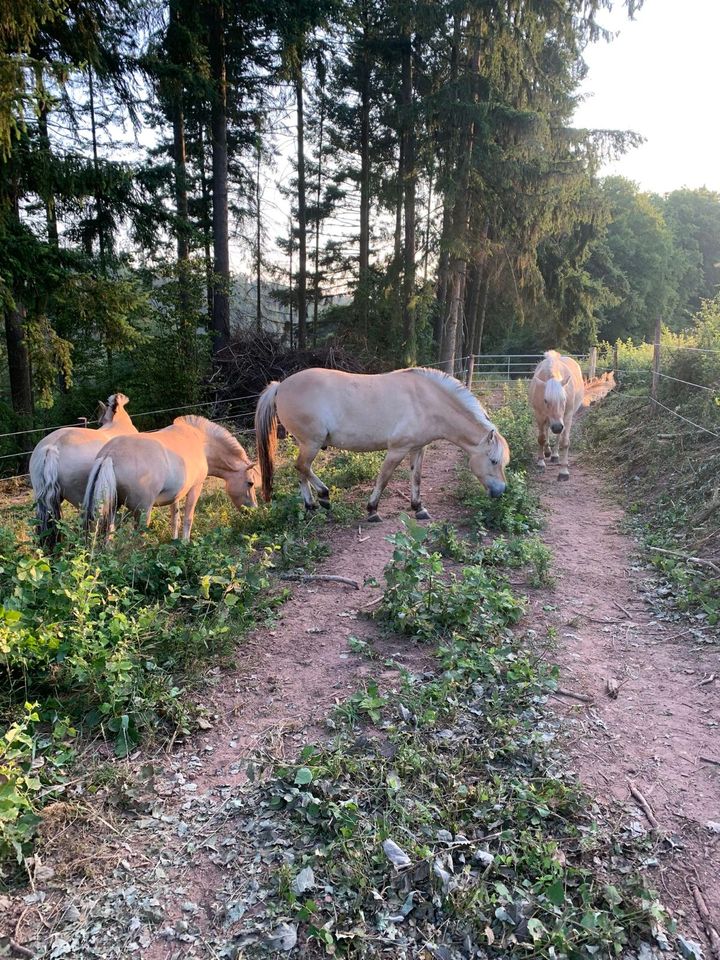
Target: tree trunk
364 260
218 119
290 280
480 325
397 246
99 206
409 189
258 243
180 162
316 292
427 226
49 193
18 362
302 214
206 223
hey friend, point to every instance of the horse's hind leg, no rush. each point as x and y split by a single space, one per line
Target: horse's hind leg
175 519
303 465
416 463
392 459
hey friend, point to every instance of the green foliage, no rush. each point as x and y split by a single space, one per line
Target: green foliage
460 776
422 600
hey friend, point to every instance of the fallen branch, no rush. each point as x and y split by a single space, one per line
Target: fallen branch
622 609
18 949
684 556
644 805
372 603
320 577
708 511
710 760
575 696
705 680
710 930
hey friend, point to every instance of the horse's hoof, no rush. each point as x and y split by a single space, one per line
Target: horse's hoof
540 465
555 459
563 476
324 502
422 514
310 507
374 518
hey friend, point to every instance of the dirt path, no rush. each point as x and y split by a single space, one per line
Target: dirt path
664 720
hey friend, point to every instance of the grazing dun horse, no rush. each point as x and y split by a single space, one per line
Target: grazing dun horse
556 394
60 464
161 467
399 412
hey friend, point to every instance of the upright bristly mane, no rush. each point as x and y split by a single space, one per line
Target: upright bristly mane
231 446
459 392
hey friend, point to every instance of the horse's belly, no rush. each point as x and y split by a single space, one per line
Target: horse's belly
347 441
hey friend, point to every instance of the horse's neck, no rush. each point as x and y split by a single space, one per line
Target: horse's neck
462 428
121 423
221 455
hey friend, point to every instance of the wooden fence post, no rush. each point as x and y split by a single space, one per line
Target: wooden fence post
656 364
469 372
615 360
593 363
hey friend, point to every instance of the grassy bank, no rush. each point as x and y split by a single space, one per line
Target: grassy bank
111 644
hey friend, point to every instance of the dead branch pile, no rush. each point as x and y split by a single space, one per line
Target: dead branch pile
252 360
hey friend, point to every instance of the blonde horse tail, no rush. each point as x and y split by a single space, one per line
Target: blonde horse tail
266 419
45 479
100 501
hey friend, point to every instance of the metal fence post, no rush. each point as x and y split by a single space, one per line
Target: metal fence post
592 363
656 363
508 367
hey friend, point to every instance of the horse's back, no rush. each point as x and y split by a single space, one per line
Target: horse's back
353 411
77 448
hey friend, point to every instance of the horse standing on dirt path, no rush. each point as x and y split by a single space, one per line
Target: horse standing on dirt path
161 467
60 464
556 394
399 412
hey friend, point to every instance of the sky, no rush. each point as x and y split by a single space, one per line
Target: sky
661 78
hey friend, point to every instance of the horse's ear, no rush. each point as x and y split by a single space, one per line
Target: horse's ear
491 436
121 400
101 409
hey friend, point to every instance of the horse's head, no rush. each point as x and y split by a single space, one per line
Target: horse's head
555 399
488 461
240 484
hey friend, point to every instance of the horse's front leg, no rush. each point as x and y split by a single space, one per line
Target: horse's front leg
392 459
543 445
416 463
175 519
190 504
565 450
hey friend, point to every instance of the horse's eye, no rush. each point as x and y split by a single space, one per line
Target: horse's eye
251 483
494 462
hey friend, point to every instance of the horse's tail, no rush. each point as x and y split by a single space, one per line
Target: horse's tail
266 419
100 501
45 479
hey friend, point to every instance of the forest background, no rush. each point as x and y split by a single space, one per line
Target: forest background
441 201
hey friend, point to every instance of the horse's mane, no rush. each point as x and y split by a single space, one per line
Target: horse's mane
221 434
468 401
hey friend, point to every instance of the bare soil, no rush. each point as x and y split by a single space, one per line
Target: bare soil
664 726
289 675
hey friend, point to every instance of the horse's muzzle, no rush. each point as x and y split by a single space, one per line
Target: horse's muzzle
557 427
495 488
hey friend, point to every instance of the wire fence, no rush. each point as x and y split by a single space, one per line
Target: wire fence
83 422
